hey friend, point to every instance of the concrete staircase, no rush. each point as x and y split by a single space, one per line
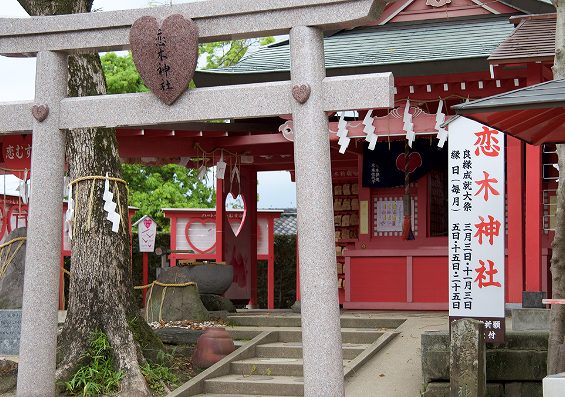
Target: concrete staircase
269 360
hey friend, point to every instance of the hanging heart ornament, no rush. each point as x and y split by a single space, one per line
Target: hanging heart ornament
165 56
414 161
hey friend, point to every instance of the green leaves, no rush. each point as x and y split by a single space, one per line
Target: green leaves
121 75
169 186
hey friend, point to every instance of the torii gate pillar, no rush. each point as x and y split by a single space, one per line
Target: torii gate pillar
36 371
321 338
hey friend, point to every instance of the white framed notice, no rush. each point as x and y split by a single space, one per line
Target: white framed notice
476 225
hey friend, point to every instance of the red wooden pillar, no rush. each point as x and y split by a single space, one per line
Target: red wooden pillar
534 217
514 194
271 266
62 283
297 271
220 209
534 213
145 275
172 260
251 215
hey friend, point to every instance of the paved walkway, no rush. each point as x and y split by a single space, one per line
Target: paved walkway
396 371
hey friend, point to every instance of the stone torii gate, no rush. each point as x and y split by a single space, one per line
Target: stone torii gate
51 39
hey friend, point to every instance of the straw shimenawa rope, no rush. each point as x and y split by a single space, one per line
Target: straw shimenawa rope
164 285
5 261
95 178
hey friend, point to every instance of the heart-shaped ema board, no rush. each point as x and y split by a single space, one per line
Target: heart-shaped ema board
414 161
165 56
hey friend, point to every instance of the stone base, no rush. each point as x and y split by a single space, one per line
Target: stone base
514 389
532 299
214 303
296 307
529 319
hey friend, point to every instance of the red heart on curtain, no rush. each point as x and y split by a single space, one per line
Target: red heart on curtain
414 161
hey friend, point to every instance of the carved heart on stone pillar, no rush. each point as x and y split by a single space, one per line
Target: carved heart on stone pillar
165 57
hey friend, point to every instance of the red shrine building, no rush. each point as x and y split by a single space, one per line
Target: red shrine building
441 53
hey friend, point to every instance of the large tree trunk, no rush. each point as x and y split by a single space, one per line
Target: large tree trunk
100 293
556 348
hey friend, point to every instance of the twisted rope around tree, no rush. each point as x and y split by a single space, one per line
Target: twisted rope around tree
164 285
6 262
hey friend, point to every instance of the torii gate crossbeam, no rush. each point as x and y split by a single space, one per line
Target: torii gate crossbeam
52 38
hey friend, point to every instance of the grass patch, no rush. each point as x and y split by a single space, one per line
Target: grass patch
98 376
159 378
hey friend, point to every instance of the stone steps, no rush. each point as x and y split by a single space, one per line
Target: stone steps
271 366
269 360
251 320
294 350
256 385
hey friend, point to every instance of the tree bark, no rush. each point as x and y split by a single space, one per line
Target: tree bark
100 293
556 347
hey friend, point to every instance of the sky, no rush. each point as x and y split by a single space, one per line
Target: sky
17 80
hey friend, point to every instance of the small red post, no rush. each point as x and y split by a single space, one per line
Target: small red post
145 274
271 267
62 283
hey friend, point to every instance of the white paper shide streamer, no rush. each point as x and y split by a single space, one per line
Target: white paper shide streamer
408 124
221 167
440 119
342 134
369 129
110 206
69 215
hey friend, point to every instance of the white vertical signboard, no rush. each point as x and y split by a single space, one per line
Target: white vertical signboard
147 230
476 225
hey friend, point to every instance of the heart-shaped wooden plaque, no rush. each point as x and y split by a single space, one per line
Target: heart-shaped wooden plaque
165 56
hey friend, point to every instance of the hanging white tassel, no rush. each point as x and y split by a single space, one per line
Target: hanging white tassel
342 134
110 206
408 124
69 215
369 129
440 119
221 167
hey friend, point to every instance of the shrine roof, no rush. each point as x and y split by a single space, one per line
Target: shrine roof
535 114
399 43
286 224
532 40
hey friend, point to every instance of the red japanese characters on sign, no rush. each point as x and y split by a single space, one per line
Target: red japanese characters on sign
16 153
476 221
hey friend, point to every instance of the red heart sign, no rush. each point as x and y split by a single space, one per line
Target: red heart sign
147 222
200 234
414 161
165 57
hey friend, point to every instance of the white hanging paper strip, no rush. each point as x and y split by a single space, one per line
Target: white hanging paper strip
69 215
202 171
110 206
370 130
408 125
23 188
342 134
440 119
221 167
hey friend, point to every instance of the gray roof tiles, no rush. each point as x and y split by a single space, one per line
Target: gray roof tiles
391 44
